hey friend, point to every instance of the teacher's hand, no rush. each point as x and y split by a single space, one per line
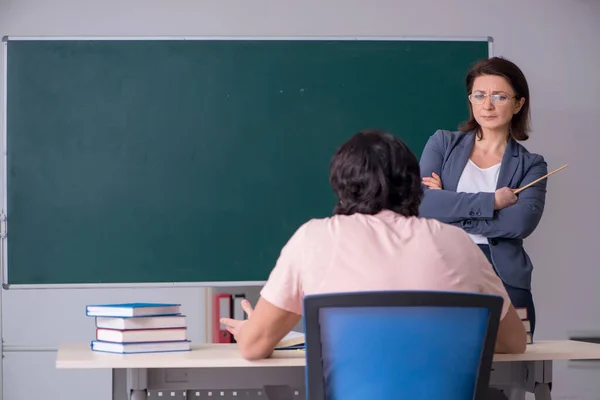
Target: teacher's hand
433 182
504 197
235 325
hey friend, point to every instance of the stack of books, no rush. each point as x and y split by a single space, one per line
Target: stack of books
522 313
139 328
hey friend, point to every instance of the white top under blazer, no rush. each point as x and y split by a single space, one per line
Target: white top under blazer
474 180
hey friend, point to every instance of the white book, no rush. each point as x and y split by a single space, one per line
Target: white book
141 335
126 323
292 339
132 348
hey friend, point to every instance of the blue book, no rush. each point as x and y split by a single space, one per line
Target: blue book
132 310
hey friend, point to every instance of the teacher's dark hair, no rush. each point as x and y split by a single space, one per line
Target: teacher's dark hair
519 125
375 171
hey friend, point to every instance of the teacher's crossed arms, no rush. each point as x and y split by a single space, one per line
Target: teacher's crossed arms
469 175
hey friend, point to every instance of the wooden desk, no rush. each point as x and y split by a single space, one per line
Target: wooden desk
202 356
219 367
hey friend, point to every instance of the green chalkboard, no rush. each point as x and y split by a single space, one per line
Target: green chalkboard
133 161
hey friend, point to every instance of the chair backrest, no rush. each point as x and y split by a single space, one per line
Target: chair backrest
400 345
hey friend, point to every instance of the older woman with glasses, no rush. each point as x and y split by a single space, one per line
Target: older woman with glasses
470 175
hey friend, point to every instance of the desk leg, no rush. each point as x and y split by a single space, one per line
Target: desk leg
138 395
516 393
540 379
137 384
510 377
542 391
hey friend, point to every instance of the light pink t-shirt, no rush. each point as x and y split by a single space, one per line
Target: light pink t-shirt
378 252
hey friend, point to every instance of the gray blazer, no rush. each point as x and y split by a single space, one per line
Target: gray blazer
446 153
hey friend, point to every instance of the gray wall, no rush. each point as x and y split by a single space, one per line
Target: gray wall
554 41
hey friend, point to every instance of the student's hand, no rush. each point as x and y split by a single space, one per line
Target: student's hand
233 325
504 197
433 182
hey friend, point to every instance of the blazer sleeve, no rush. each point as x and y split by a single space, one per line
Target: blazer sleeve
519 220
446 205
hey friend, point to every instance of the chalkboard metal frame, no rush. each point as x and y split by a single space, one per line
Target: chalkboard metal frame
4 150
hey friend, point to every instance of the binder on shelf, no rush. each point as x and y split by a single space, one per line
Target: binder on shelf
238 311
222 308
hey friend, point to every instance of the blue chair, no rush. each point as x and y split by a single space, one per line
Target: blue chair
414 345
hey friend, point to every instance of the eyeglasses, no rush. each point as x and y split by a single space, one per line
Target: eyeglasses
497 99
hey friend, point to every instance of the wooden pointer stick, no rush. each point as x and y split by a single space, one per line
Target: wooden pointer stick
539 179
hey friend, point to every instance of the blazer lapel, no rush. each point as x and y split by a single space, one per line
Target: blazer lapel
510 162
463 152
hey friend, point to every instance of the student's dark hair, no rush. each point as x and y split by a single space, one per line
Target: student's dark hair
375 171
519 125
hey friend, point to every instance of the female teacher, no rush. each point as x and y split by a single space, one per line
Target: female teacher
469 175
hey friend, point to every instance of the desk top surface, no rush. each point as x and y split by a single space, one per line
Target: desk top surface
78 356
201 356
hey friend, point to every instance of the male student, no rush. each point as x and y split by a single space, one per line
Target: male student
375 241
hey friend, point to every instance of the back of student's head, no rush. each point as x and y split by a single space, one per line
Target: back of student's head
375 171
